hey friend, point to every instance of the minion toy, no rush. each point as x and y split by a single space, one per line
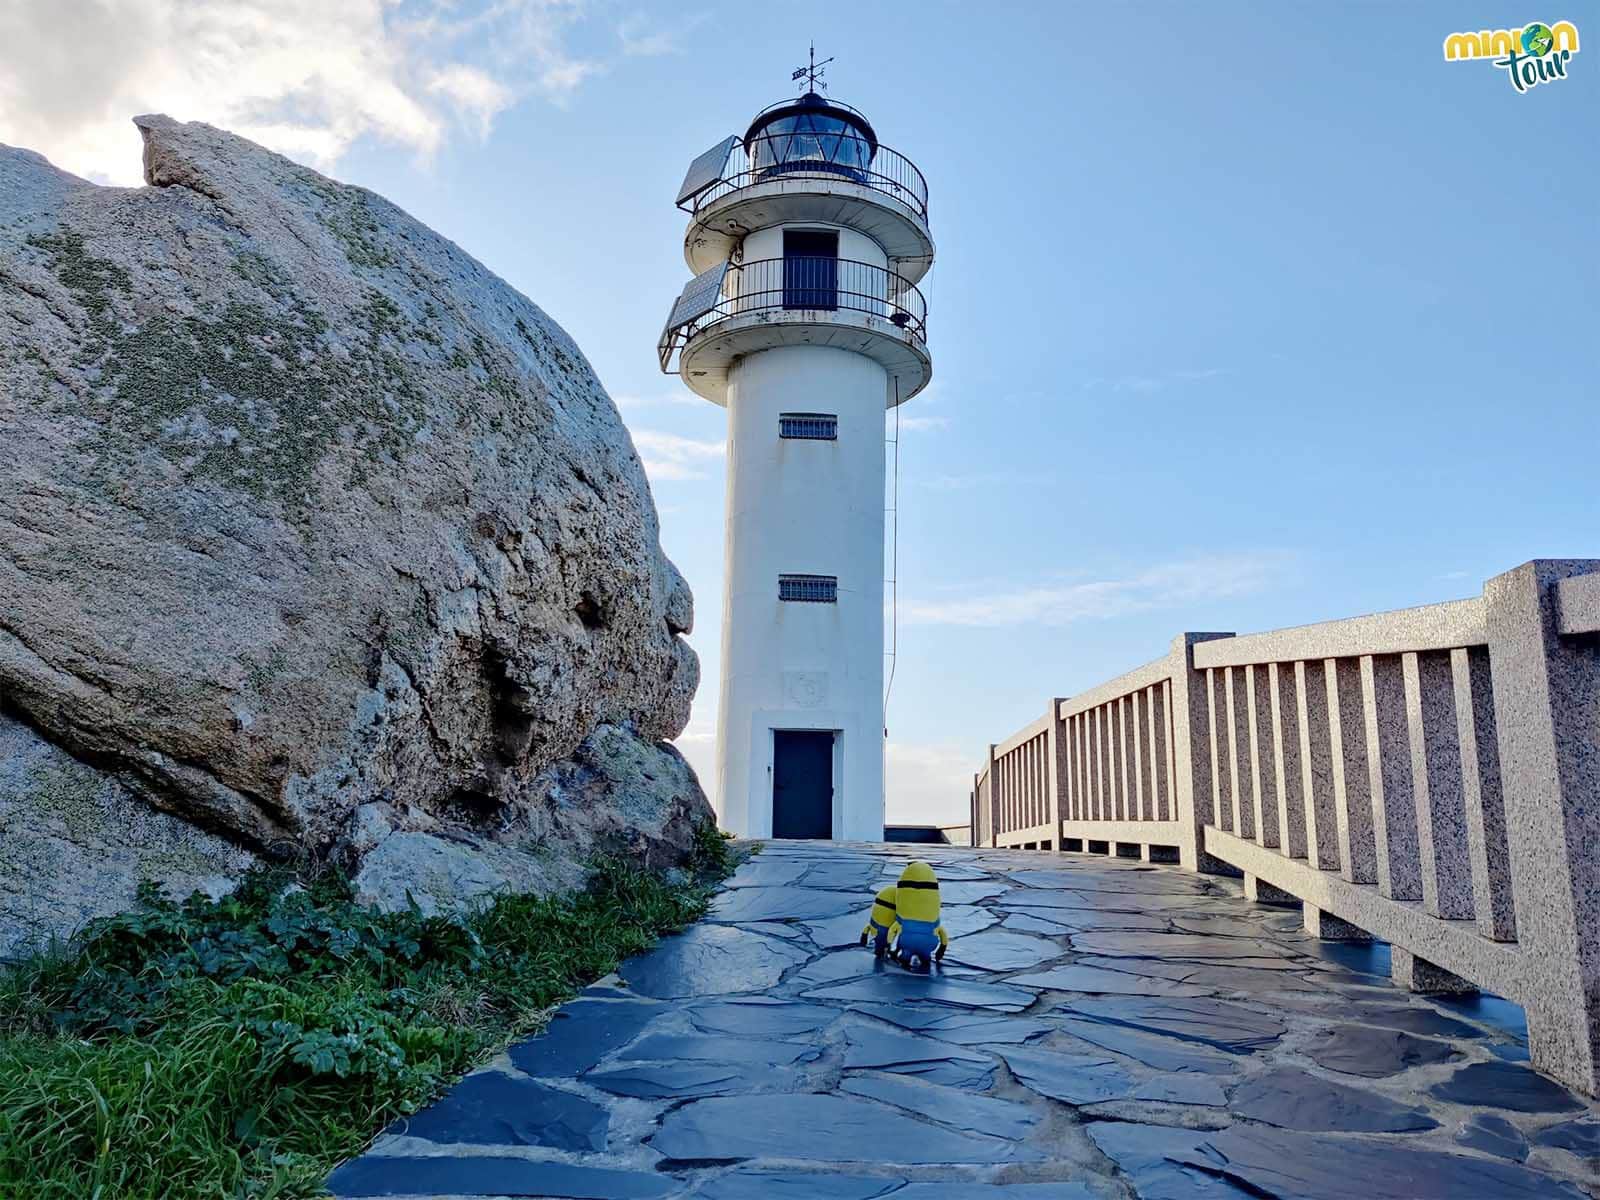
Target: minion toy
921 937
879 922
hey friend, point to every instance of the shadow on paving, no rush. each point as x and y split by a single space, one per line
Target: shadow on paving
1099 1029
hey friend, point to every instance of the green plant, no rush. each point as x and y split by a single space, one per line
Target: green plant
240 1047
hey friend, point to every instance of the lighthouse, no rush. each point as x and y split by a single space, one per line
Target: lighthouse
806 239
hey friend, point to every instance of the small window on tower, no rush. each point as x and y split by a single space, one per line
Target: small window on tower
809 589
816 427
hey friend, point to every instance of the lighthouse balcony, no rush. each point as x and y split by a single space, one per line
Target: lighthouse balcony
782 176
795 301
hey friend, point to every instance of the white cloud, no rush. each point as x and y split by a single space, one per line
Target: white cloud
671 456
927 784
1169 585
304 77
641 37
474 94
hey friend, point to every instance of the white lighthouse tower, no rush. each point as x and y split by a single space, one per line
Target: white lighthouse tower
806 238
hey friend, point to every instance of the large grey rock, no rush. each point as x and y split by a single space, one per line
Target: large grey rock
305 511
75 843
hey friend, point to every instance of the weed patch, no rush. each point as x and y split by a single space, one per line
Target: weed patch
242 1047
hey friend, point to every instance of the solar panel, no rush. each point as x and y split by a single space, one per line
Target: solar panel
699 296
705 170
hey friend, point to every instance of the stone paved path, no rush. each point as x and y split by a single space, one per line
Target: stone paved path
1101 1028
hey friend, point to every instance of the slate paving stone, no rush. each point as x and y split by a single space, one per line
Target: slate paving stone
821 1129
953 1190
1142 1153
1493 1135
963 919
784 904
960 892
1491 1010
1028 923
1157 883
844 930
1220 1023
492 1109
710 960
1580 1137
1153 1050
1215 976
1214 925
948 1106
1295 1099
580 1035
849 963
1510 1052
773 929
1426 1021
482 1175
1071 1078
668 1047
765 870
1002 950
964 1028
1075 978
1332 1167
1251 952
850 875
1365 958
783 1185
903 987
1373 1053
1504 1085
908 1054
751 1017
761 1016
686 1080
1182 1088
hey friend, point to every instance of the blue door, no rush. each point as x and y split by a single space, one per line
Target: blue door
802 783
810 268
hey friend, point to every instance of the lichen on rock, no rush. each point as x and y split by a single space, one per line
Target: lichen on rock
304 511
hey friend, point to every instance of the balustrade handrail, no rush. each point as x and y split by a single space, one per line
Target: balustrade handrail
886 171
1425 776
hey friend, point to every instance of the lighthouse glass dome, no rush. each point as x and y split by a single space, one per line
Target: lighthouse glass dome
811 135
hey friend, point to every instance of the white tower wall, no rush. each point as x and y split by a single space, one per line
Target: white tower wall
807 507
803 678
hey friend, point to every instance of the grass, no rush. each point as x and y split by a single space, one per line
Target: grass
242 1047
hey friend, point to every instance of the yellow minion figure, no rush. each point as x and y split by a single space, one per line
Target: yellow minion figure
879 922
920 937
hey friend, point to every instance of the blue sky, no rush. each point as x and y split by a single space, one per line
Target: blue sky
1244 314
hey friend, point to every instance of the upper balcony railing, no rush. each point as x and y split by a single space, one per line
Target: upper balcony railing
770 157
811 285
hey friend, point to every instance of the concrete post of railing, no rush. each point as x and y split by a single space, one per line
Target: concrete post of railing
976 832
1191 753
1545 667
1056 766
994 799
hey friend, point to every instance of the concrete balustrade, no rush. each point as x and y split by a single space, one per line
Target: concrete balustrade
1430 777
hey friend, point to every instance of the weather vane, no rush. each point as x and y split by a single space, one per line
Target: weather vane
813 74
